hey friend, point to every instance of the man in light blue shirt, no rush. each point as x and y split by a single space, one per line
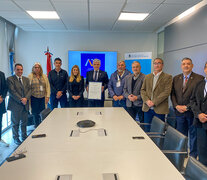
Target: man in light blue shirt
116 85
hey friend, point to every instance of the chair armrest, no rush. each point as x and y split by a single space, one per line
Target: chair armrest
174 152
157 136
141 124
155 133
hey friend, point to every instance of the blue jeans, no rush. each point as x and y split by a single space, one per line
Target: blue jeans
121 103
148 118
54 101
185 125
134 111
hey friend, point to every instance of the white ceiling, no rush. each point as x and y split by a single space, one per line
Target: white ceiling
93 15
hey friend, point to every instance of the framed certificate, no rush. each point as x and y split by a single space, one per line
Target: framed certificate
94 90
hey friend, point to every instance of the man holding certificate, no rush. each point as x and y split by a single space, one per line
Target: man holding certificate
96 84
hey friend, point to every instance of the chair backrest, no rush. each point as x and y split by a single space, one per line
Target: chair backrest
171 117
45 113
175 141
157 126
195 170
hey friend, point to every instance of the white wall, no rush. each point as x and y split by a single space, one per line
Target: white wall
30 46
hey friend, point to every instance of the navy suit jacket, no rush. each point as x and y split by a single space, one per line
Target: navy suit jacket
102 77
3 92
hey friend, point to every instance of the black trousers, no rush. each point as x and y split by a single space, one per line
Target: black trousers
134 110
202 145
1 115
38 105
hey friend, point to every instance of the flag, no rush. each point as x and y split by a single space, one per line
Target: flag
12 62
49 60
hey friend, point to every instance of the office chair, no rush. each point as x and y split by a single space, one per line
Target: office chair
157 128
195 170
45 113
171 117
175 147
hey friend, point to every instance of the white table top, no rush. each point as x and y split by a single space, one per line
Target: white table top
88 156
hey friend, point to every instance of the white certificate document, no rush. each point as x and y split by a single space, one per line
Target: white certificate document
94 90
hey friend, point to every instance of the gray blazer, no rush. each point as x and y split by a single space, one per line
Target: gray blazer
15 93
136 91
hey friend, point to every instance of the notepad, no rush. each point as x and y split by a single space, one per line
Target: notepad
64 177
110 176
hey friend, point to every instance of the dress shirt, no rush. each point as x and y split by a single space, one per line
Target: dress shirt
94 75
205 89
20 78
188 76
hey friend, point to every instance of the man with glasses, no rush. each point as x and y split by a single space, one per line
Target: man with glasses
182 90
97 75
155 91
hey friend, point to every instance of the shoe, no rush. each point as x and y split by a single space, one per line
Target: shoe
6 144
24 138
17 142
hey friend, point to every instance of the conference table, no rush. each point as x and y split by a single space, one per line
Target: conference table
106 151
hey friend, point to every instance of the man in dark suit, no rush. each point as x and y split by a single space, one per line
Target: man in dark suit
132 88
19 95
200 121
182 90
3 92
97 75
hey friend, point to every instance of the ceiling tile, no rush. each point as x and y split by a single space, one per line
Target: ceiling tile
8 6
104 15
192 2
140 7
36 5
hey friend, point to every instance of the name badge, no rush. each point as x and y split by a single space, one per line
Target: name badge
41 88
118 84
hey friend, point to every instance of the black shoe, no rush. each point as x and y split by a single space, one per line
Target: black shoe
24 138
17 142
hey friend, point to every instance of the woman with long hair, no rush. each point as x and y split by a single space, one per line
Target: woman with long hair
40 88
75 87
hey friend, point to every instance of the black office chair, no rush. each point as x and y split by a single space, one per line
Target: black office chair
45 113
175 147
171 117
158 127
195 170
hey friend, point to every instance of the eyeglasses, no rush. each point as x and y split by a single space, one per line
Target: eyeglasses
159 63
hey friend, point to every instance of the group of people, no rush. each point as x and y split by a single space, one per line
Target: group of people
143 96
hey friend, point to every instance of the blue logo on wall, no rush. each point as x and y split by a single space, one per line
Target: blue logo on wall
87 62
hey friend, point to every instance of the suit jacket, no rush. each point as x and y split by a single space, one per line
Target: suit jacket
102 77
161 92
15 93
136 91
199 104
3 92
180 97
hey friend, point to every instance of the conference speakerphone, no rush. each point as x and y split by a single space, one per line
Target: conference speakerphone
86 123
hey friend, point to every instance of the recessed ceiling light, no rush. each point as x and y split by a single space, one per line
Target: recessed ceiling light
133 16
43 14
185 13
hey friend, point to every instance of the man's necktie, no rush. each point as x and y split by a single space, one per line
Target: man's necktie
22 87
96 75
185 83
